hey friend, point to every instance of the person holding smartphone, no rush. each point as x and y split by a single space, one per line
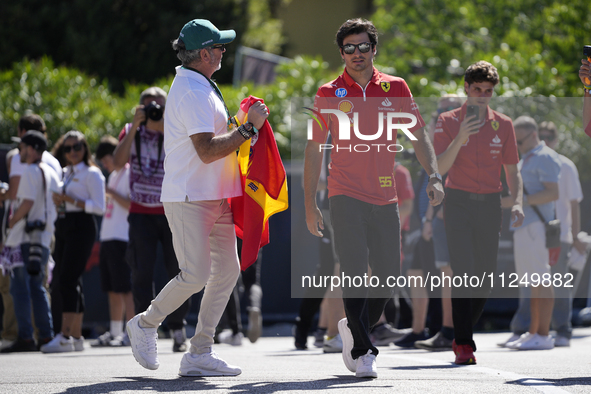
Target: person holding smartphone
472 150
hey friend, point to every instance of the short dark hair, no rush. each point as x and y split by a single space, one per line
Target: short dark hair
357 26
31 122
481 71
550 126
106 146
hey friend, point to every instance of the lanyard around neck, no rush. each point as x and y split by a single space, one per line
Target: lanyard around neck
215 88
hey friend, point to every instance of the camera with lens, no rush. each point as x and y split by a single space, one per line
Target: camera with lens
154 111
36 225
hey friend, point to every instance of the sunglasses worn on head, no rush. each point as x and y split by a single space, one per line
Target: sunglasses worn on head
77 147
349 49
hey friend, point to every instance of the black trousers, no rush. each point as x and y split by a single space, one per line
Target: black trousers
145 231
74 237
472 226
365 235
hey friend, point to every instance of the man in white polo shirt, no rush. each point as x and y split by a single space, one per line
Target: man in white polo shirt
201 172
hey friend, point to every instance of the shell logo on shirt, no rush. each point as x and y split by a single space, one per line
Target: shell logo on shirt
346 106
385 86
341 92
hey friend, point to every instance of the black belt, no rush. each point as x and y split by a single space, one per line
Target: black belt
461 194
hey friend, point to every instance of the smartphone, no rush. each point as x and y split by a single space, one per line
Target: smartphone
473 110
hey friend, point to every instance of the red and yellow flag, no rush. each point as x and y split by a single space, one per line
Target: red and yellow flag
264 184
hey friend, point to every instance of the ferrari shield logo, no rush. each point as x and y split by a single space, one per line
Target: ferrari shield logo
495 125
385 86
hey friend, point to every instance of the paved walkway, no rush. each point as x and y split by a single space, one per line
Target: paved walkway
273 366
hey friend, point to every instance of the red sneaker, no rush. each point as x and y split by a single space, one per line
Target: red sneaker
464 355
454 347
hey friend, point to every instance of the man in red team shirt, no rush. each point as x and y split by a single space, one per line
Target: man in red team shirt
361 185
473 150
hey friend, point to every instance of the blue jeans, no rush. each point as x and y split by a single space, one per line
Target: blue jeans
563 302
27 290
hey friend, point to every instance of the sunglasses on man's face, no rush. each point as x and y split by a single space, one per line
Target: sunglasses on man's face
76 147
349 49
222 47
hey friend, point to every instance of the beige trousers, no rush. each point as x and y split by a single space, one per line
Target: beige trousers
204 241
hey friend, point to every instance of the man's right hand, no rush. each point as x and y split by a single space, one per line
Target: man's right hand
314 220
257 114
470 125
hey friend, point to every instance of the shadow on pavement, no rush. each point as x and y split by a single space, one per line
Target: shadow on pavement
199 384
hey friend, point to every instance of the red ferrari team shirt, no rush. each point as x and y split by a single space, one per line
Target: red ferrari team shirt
477 168
364 146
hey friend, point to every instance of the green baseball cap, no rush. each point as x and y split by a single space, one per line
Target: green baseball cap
201 33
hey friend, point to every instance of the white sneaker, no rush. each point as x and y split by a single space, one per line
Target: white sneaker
78 343
227 337
536 342
513 338
333 345
366 366
143 343
121 340
347 339
522 338
59 344
561 341
206 364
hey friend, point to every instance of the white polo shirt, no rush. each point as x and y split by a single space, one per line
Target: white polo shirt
194 107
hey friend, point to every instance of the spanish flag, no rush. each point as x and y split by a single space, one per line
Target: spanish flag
265 189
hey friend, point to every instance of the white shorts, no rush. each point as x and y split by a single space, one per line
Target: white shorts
529 249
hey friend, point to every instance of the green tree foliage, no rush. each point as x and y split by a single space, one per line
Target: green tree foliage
66 98
120 40
536 44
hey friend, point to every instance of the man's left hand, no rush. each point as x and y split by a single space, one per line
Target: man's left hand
435 192
517 215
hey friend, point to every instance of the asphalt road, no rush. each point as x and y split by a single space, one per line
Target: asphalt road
272 366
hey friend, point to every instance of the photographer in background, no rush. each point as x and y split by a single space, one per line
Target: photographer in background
36 211
141 145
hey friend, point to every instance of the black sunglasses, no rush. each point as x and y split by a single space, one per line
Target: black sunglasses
349 49
219 46
77 147
545 137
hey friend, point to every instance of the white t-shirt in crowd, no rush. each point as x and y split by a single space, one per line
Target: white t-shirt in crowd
570 190
194 107
17 168
114 225
31 187
87 184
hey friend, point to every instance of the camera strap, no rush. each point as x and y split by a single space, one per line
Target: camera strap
535 208
138 151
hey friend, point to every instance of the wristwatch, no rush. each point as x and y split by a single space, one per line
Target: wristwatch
436 176
250 128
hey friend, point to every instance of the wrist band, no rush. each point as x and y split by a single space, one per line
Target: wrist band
245 134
